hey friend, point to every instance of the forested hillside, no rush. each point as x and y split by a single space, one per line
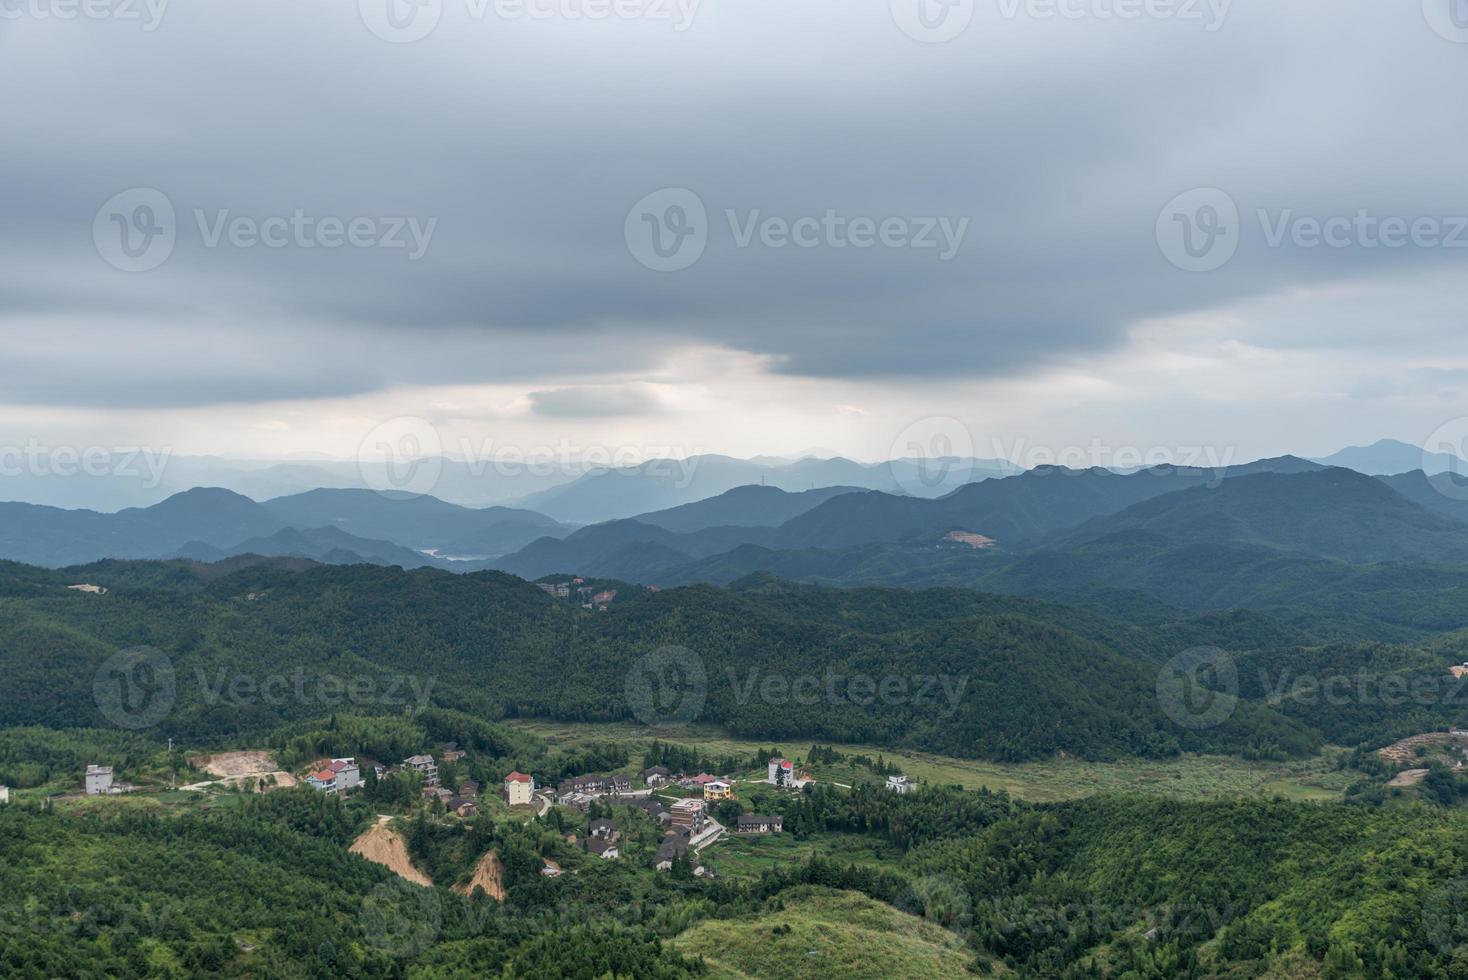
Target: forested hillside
966 674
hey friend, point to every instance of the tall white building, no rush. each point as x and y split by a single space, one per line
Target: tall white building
99 780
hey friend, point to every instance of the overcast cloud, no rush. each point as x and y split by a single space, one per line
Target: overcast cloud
450 233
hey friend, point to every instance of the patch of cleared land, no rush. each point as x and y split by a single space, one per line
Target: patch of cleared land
975 541
748 855
242 767
830 934
382 844
1405 752
226 764
489 875
1408 777
1186 777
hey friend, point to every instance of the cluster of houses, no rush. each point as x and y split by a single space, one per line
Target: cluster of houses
463 804
603 839
340 775
580 791
337 776
586 596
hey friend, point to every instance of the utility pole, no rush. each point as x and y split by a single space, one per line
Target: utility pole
172 770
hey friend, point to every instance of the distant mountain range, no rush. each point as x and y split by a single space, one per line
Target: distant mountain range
1193 539
1389 456
339 526
666 484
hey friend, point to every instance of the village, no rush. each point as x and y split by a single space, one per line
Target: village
690 811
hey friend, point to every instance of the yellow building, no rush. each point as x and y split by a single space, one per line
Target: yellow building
519 789
718 790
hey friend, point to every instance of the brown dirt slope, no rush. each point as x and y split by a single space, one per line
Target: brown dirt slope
386 847
489 875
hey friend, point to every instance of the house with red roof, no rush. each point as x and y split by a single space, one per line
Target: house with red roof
519 789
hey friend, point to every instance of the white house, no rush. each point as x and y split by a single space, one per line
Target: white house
348 773
99 780
519 789
782 772
323 779
899 783
423 764
4 794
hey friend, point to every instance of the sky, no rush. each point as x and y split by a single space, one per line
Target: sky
763 227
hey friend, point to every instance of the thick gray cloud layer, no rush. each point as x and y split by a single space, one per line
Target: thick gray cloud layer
1054 143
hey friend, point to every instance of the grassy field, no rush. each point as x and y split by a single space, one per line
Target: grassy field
824 933
746 855
1188 777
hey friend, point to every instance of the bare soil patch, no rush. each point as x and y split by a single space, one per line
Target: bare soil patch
1403 753
1408 777
489 875
227 764
971 539
387 848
